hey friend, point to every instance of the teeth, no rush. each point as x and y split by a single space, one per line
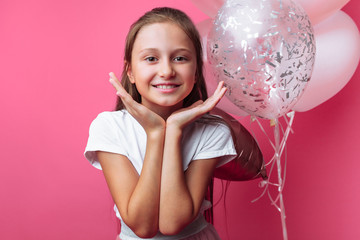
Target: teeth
166 86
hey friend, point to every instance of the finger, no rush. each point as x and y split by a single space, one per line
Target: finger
210 103
220 85
114 81
133 107
120 91
216 97
218 94
220 89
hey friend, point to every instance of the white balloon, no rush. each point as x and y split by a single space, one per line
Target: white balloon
337 57
209 7
319 10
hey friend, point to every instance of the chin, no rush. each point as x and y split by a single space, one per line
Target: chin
176 104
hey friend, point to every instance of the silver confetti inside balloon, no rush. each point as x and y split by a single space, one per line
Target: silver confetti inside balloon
264 51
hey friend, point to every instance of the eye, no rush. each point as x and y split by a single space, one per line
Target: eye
180 59
151 59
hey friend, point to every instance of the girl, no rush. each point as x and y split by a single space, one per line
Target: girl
158 151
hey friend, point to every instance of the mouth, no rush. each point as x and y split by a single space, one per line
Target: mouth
166 86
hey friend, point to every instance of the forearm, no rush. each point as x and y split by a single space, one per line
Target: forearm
176 205
143 207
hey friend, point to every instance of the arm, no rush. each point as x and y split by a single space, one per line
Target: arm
182 194
137 197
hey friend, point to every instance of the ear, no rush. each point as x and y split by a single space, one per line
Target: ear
129 73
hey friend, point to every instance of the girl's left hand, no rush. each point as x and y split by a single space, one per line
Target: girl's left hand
149 120
185 116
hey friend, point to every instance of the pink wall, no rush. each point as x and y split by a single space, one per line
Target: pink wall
54 61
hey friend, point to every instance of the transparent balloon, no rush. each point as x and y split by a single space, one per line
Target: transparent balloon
264 51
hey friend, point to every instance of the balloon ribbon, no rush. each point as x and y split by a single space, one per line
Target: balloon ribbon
279 145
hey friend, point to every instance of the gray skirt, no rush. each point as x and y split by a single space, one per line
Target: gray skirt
199 229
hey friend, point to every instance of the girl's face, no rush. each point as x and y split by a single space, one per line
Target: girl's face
163 66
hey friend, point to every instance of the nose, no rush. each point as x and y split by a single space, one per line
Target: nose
166 70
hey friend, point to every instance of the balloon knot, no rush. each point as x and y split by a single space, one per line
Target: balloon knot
272 122
263 183
290 114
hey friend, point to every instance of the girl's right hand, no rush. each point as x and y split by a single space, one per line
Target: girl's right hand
184 116
149 120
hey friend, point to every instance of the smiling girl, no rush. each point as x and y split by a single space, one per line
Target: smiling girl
159 149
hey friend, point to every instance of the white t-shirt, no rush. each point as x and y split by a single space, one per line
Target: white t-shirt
118 132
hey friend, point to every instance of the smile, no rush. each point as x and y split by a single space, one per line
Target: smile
166 86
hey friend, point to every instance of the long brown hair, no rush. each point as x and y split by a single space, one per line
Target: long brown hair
161 15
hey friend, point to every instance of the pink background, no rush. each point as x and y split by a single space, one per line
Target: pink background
54 62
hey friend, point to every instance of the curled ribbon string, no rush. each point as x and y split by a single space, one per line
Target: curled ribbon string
279 145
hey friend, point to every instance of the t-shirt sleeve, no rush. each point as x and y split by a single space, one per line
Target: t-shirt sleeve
217 142
102 137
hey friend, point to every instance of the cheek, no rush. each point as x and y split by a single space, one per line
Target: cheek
140 75
190 73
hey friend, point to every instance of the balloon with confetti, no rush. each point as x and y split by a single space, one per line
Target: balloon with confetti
264 51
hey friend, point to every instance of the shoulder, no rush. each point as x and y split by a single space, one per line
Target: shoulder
209 124
109 132
113 122
112 118
111 115
206 130
209 137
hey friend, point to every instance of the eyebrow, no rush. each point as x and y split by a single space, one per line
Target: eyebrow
155 49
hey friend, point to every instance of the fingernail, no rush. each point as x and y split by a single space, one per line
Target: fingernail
111 74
